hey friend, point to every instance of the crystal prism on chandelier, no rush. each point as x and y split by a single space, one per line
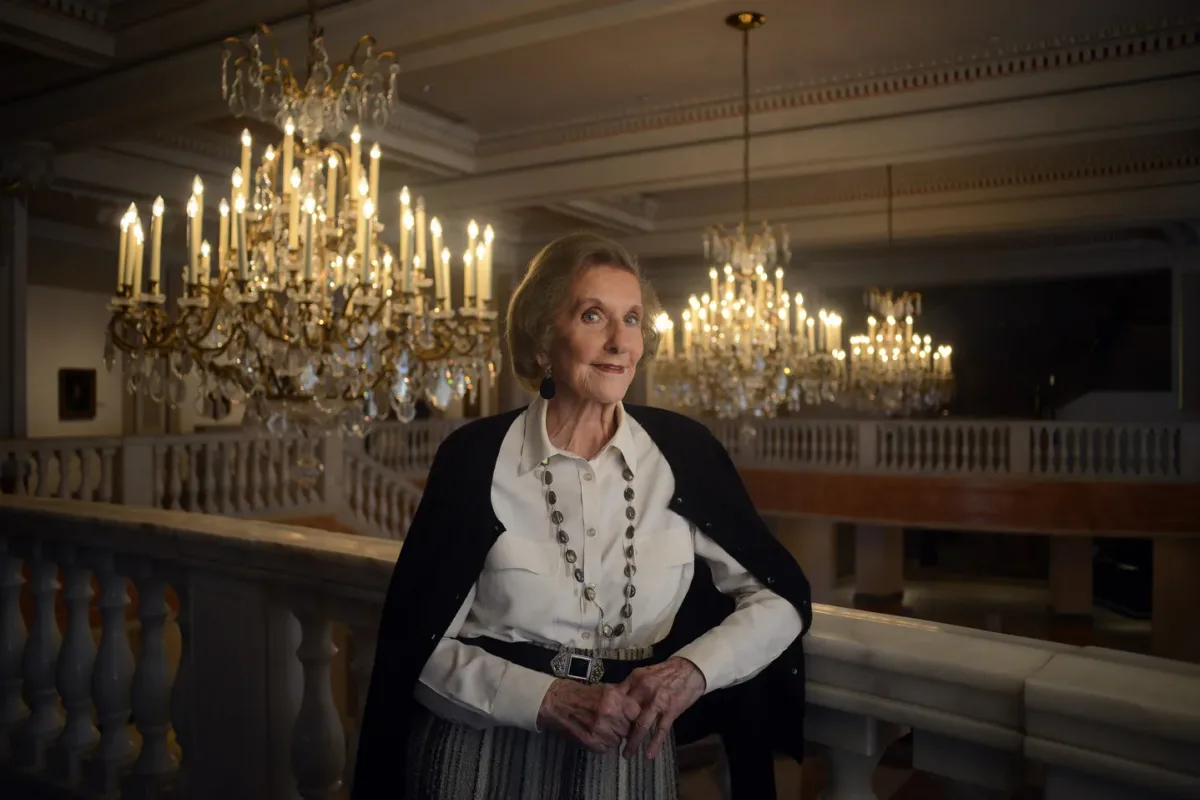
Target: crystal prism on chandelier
302 311
327 101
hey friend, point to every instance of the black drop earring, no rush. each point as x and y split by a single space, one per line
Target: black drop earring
546 390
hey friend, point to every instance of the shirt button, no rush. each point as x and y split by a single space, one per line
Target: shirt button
585 635
591 531
587 476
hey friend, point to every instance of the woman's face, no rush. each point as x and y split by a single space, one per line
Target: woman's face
598 337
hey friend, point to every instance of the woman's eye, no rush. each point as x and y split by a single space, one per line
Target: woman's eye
633 319
592 315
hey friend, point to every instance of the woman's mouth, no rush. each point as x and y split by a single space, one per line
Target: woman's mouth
611 369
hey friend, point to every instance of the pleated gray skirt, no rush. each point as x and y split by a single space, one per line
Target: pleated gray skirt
452 761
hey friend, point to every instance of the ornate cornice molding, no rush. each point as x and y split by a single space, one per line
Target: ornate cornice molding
1048 55
1016 174
93 12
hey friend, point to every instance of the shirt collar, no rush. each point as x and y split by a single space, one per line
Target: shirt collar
537 446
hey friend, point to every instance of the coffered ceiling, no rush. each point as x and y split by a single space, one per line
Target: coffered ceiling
1002 116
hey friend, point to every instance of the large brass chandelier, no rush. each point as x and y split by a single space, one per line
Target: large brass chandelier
741 353
893 369
302 310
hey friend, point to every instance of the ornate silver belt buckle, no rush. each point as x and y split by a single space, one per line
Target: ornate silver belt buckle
585 669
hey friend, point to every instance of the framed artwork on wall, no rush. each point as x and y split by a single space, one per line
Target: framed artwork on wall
76 394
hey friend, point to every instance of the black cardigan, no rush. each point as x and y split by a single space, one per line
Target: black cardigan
455 527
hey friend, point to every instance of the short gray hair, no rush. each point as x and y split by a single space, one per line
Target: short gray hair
544 292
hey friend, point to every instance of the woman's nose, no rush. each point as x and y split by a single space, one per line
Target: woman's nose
619 338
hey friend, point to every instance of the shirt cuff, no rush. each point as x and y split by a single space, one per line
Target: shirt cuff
519 697
711 658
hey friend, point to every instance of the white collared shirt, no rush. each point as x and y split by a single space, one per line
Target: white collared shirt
527 590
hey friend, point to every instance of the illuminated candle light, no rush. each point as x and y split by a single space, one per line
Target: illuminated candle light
294 212
239 223
289 148
123 249
223 236
373 185
310 213
484 278
355 165
331 183
193 255
156 242
246 173
406 226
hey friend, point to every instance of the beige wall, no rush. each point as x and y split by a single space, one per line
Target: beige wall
65 330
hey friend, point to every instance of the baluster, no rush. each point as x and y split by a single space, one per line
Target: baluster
176 455
228 475
191 487
85 474
151 691
106 474
355 472
39 662
207 452
181 691
64 457
242 497
360 674
110 684
258 498
75 662
43 473
12 643
22 468
273 458
158 459
318 739
374 489
285 474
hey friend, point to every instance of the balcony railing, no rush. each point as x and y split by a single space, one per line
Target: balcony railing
371 484
221 681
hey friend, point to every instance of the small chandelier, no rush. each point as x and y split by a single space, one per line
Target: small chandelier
327 101
894 370
741 354
302 311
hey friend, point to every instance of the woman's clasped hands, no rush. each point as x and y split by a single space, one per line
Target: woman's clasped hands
646 704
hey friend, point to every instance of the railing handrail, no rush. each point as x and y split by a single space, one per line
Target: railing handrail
998 698
348 566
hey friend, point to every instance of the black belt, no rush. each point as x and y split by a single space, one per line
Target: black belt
563 663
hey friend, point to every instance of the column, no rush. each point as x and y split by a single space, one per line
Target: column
878 565
22 169
1185 330
14 272
1176 596
1071 576
812 541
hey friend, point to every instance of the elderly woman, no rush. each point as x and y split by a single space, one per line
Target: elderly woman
585 583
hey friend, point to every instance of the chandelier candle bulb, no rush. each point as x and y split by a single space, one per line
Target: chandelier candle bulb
779 282
355 165
484 276
419 228
122 247
360 232
373 187
310 214
468 277
289 148
435 230
205 261
331 183
139 241
198 228
239 222
444 289
223 235
246 142
156 242
368 230
294 211
193 237
406 259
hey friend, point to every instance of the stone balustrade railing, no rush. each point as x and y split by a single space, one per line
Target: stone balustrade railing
230 685
236 472
1030 449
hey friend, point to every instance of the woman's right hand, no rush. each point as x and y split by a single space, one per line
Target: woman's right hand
596 716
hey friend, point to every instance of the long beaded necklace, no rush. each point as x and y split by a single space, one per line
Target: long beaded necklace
572 558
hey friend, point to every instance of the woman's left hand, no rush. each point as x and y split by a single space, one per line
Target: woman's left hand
664 691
